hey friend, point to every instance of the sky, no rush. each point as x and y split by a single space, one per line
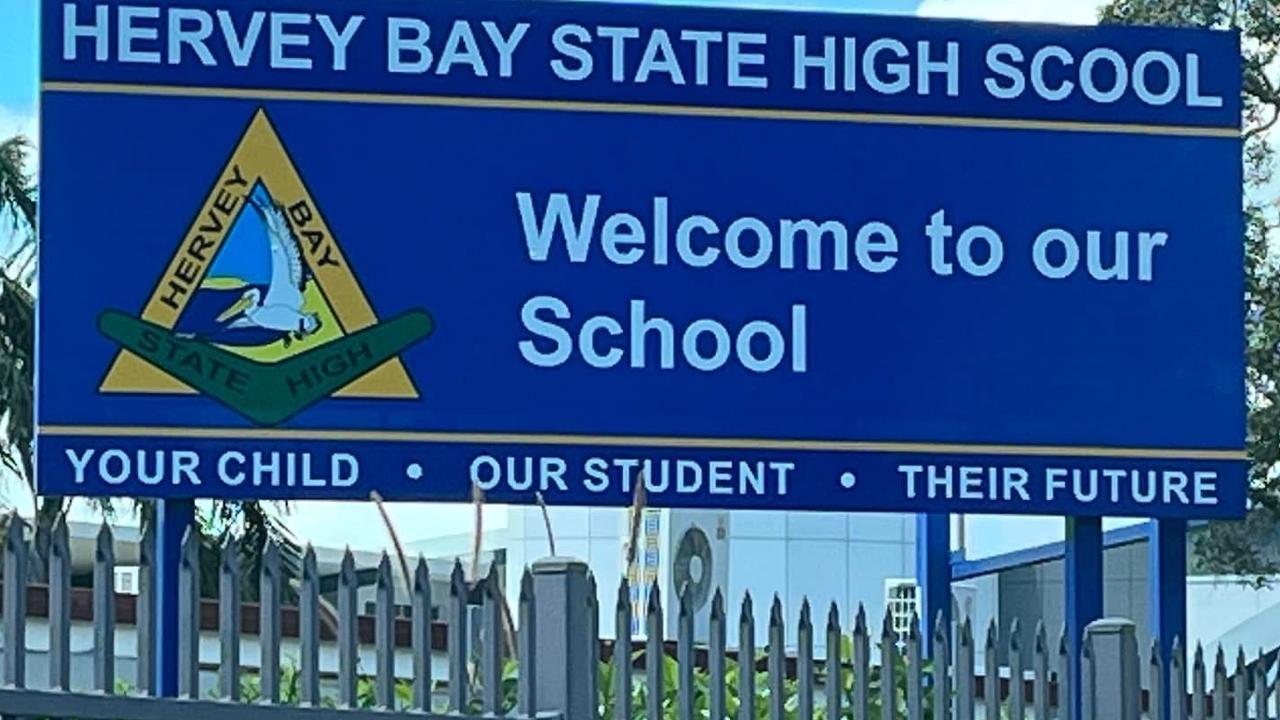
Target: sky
358 524
18 67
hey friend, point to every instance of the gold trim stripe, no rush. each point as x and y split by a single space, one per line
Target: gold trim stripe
641 108
407 436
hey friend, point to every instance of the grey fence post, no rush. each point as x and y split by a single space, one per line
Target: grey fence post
145 618
1112 688
60 609
563 650
269 623
422 687
15 602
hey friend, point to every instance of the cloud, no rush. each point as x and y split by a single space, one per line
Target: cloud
1072 12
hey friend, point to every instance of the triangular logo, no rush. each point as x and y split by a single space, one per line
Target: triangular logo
260 276
258 308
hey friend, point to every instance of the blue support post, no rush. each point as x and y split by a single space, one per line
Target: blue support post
172 518
933 571
1083 580
1167 575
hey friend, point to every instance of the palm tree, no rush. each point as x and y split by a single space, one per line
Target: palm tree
17 191
17 332
18 202
17 310
252 523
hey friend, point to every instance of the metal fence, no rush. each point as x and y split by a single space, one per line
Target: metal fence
548 661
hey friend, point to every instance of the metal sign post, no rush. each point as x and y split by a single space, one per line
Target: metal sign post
1083 583
1167 576
933 573
172 518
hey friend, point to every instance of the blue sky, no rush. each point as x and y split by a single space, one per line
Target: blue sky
18 67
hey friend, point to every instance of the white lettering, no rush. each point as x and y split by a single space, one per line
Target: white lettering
505 44
461 47
408 35
240 46
740 59
486 473
72 31
224 474
340 39
127 33
281 38
194 38
826 62
996 62
660 57
1070 254
79 463
701 40
926 68
560 40
576 233
563 344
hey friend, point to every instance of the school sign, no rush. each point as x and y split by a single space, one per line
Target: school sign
748 259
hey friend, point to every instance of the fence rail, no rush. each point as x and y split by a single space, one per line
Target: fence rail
543 659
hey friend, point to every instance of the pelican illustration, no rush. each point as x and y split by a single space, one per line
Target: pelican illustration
281 309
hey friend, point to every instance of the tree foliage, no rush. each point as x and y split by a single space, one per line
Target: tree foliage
17 312
1248 547
17 191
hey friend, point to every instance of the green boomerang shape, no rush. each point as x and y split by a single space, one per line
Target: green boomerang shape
267 394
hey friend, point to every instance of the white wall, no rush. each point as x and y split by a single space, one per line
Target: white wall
826 557
594 535
1227 611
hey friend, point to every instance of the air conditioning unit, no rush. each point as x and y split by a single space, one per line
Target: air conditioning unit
127 579
679 550
696 561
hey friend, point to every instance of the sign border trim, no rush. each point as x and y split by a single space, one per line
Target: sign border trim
610 107
711 443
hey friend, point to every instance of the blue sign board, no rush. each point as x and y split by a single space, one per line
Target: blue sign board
746 259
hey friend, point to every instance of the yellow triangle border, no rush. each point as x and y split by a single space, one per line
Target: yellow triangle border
259 156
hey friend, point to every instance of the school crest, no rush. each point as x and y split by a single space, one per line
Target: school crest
258 308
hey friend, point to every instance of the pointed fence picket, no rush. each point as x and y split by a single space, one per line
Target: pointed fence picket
857 674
